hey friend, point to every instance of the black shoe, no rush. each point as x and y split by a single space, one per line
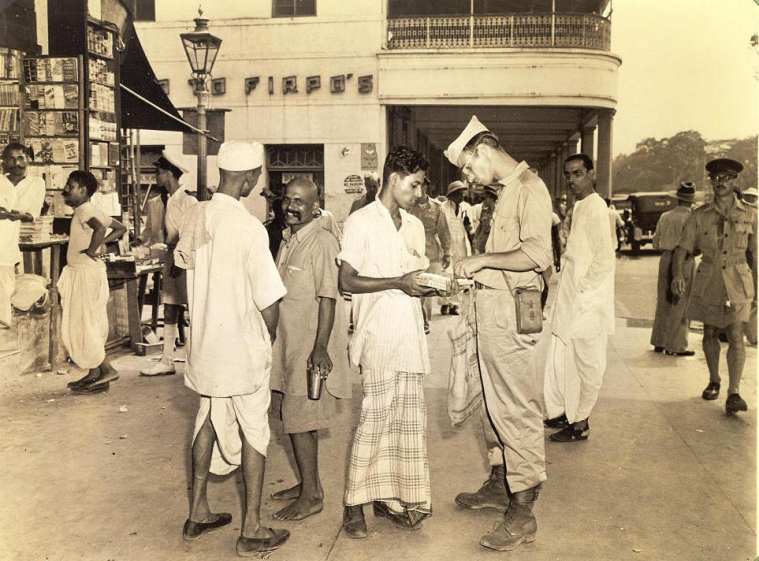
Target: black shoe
711 392
193 530
658 349
444 310
734 404
400 520
251 547
354 523
572 434
453 311
679 353
559 422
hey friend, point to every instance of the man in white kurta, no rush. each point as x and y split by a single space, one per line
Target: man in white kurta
583 316
21 199
234 290
383 249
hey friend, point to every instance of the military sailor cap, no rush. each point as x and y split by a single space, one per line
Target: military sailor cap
455 148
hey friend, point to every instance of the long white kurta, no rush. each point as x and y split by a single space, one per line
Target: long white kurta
583 314
232 278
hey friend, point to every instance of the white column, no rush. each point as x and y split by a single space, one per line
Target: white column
586 144
603 165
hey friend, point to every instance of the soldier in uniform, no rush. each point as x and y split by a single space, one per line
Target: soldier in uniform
724 285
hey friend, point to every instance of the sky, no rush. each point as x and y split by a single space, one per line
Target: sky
686 64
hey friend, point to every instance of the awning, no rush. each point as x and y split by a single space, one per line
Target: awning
138 78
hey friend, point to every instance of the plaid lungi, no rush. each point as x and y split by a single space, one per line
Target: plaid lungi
388 460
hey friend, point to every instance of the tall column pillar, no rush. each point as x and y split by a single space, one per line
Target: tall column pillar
571 147
558 171
603 165
586 143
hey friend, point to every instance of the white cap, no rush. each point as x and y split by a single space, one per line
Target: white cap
174 160
240 156
751 191
456 147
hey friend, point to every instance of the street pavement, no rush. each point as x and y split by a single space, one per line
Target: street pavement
664 475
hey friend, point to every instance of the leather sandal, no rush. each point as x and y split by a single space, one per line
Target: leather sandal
401 520
193 530
250 547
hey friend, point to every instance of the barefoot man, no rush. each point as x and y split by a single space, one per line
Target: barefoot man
312 334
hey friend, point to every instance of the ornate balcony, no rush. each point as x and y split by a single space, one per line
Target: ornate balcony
573 31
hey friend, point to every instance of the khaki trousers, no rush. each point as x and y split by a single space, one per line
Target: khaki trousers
512 388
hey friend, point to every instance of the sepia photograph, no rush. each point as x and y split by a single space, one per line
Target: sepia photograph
379 280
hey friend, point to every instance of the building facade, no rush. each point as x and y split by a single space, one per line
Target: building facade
328 86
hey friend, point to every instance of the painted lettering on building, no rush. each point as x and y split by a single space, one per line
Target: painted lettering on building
337 84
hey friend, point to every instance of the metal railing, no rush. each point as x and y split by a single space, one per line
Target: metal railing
580 31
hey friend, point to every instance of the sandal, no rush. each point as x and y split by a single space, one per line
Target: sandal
249 547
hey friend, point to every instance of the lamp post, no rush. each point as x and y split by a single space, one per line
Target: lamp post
201 48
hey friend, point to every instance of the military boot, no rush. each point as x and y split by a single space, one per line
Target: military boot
492 494
519 524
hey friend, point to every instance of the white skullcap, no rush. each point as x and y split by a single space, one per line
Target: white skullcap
240 156
456 147
174 160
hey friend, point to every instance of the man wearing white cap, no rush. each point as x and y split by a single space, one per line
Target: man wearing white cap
234 292
517 250
169 170
459 240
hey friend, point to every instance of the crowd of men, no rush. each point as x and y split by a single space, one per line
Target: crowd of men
267 318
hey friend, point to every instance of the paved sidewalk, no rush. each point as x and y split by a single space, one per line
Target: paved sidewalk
664 476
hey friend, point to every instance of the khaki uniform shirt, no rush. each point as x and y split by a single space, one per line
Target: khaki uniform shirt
724 274
438 240
521 220
306 263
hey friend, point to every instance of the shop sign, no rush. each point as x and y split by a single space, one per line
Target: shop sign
337 84
353 184
369 156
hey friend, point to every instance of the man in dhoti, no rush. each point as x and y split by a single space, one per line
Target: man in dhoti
723 288
169 170
670 332
382 254
312 336
454 211
21 199
516 252
583 314
234 292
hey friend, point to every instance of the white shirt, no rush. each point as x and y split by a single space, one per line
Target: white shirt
460 246
389 329
585 304
177 210
80 235
234 278
27 196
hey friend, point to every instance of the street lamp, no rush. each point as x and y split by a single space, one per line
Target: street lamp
201 48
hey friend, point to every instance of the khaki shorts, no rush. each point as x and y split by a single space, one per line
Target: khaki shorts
300 414
174 289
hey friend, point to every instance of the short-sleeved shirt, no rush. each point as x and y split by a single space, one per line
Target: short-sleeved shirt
669 228
521 220
389 328
723 274
26 196
438 239
232 279
177 209
308 268
80 235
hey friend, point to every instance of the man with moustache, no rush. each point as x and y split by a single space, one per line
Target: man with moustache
517 251
382 254
21 200
312 334
723 288
583 315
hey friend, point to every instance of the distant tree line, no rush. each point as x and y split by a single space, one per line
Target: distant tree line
660 165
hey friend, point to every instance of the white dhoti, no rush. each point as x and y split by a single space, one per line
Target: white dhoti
573 376
7 286
247 414
84 325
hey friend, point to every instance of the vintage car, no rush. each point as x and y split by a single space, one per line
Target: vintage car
645 210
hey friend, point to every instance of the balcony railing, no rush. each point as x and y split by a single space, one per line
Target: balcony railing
579 31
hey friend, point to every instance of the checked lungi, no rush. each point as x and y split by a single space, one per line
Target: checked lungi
388 460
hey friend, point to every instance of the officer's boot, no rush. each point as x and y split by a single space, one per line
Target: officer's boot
492 494
519 524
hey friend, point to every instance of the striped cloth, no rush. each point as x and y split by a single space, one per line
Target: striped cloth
388 460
